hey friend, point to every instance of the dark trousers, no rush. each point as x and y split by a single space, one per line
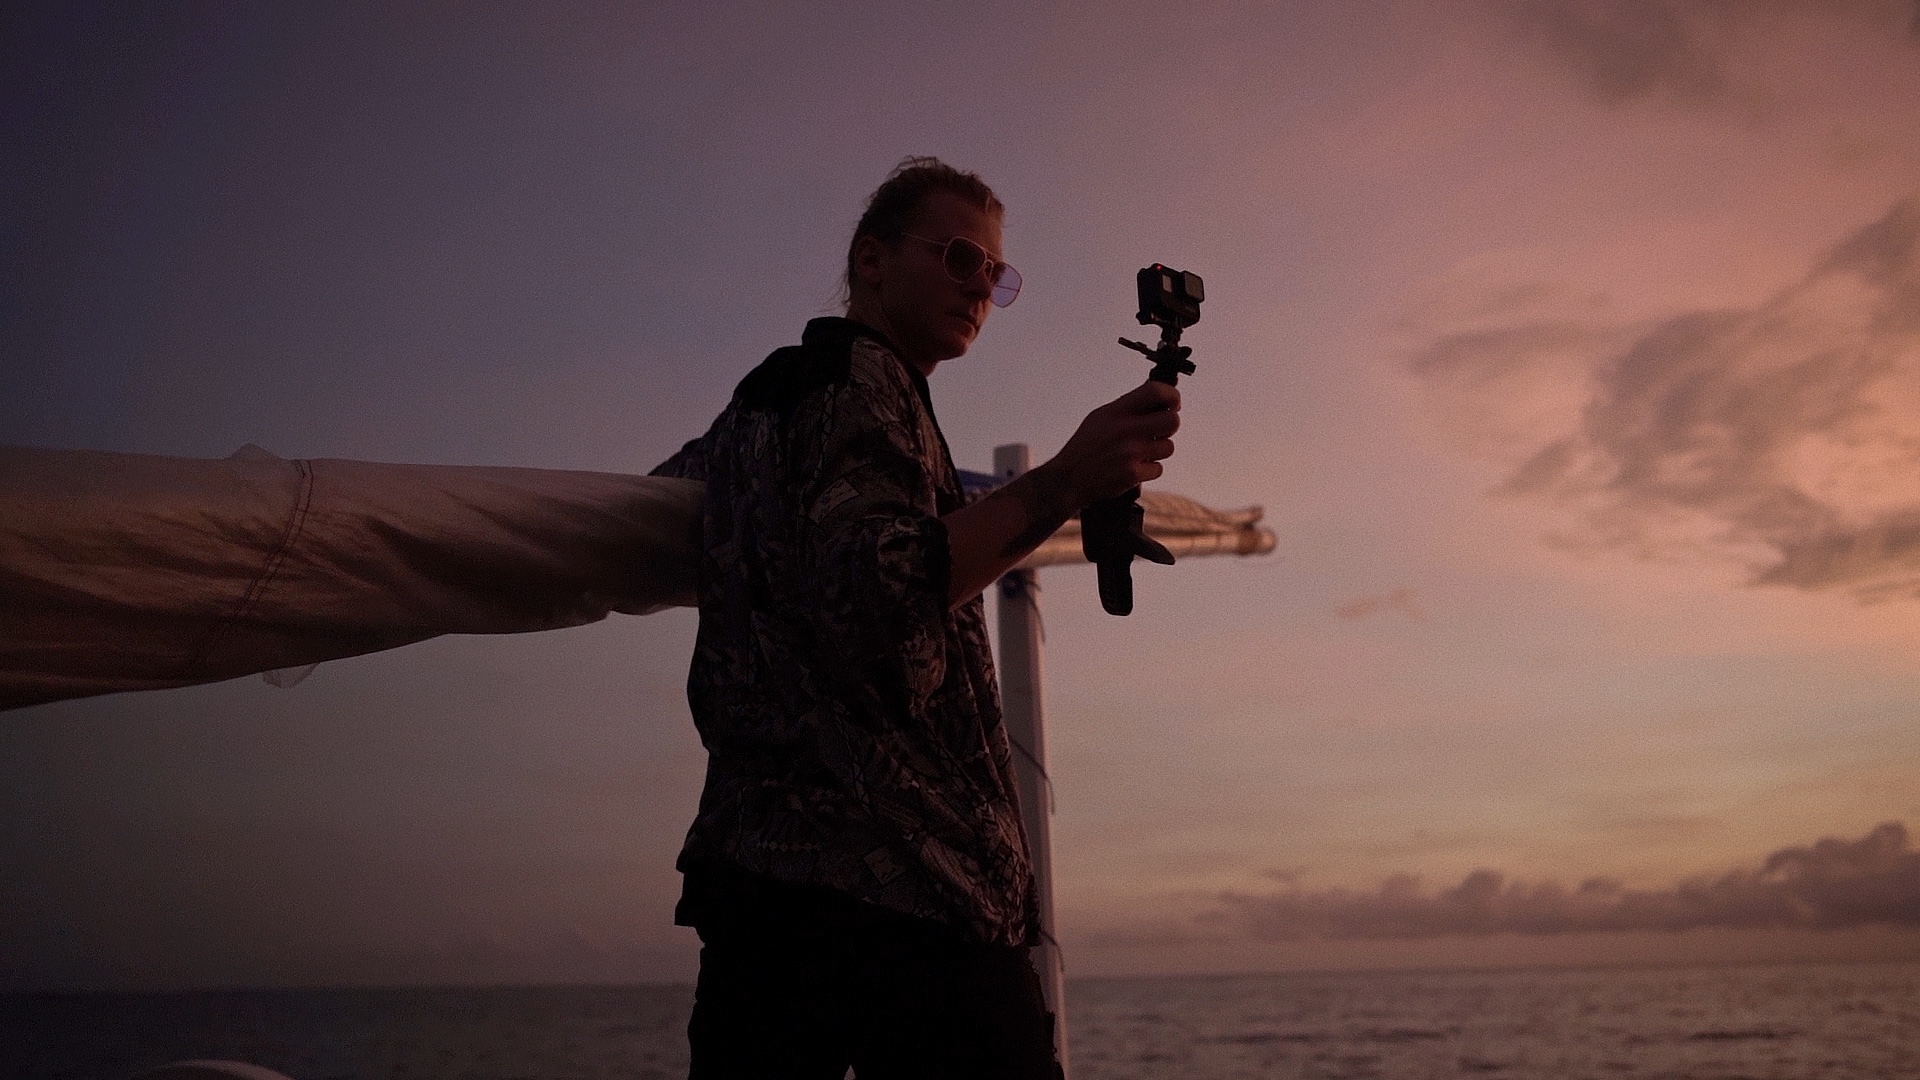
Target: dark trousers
803 983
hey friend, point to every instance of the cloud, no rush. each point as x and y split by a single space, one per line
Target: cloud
1683 52
1784 436
1400 600
1626 49
1832 884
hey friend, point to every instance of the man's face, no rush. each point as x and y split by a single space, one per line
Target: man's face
930 316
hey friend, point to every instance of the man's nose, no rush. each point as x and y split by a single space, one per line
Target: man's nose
980 284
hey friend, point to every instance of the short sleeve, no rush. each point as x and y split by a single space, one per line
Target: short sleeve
689 463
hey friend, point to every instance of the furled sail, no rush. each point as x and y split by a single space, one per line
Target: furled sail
134 572
139 572
1184 527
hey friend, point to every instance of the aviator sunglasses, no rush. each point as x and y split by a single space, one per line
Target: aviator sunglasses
963 258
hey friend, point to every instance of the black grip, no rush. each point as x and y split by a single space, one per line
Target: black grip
1113 533
1116 586
1106 535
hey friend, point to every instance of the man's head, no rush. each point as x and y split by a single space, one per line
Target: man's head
920 226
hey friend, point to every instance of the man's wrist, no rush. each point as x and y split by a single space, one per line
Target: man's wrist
1048 498
1059 479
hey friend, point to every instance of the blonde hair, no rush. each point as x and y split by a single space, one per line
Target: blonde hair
892 206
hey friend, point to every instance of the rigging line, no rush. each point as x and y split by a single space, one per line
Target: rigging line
1023 586
1037 767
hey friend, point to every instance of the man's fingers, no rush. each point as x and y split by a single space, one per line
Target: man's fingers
1122 443
1150 396
1156 425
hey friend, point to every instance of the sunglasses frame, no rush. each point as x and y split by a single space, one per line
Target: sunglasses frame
1000 267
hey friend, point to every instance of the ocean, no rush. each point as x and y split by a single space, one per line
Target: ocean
1790 1022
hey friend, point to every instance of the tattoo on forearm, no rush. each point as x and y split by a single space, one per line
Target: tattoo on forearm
1048 507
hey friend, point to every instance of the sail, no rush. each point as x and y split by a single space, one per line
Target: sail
134 572
139 572
1183 526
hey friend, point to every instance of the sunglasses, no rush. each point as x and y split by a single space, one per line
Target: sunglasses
963 258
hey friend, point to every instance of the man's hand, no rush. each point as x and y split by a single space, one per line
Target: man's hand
1121 444
1118 445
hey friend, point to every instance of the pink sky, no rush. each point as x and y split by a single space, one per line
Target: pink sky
1572 348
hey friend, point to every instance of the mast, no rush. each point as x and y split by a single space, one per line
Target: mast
1023 706
1181 527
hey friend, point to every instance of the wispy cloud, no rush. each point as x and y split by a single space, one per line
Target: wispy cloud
1683 52
1400 600
1784 435
1626 49
1832 884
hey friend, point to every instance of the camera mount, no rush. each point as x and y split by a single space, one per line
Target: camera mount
1113 530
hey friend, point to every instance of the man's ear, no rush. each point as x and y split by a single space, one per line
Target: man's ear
869 260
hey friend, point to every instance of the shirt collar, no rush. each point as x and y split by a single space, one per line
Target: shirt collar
835 331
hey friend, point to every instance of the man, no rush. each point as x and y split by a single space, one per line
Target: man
857 870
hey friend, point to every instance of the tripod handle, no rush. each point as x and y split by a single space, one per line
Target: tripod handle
1113 531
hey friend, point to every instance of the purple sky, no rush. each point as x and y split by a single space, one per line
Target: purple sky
1572 347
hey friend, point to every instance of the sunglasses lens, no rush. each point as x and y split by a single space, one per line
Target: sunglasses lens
1006 287
964 258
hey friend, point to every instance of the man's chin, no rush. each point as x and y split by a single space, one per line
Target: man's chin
942 351
939 348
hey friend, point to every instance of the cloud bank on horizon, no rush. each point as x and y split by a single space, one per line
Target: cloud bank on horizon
1832 884
1783 436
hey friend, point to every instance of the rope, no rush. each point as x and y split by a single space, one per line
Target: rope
1037 767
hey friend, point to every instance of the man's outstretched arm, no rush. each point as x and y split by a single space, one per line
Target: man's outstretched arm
1118 445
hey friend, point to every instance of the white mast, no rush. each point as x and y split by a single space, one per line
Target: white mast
1023 706
1185 528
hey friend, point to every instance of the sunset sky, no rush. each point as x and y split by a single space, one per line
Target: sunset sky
1573 349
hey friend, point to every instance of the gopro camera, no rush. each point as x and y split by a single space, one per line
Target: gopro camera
1169 298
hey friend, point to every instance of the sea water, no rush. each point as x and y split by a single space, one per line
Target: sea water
1791 1022
1797 1022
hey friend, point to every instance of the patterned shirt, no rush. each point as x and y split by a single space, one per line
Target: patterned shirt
851 720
